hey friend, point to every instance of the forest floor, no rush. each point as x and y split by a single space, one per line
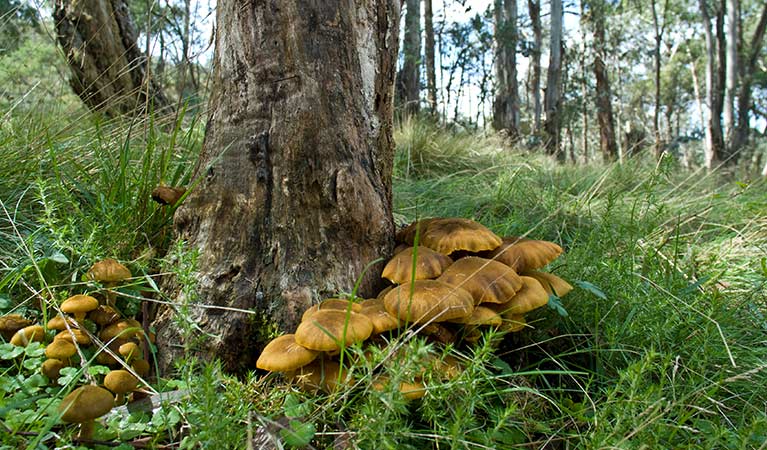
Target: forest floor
662 344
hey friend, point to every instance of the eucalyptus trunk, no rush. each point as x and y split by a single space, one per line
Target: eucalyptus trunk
731 76
747 75
506 105
714 138
534 8
607 143
408 83
109 72
431 73
294 193
553 95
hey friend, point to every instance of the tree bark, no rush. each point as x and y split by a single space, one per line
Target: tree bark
553 94
659 30
731 67
744 94
109 72
294 198
431 73
534 8
408 83
607 143
715 142
506 105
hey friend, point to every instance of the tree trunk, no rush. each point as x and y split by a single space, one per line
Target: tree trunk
109 72
604 105
553 95
295 172
408 83
747 75
714 139
431 73
506 105
534 8
659 30
731 67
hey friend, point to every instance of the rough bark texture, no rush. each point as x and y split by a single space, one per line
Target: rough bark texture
731 69
746 79
429 45
109 72
506 105
714 138
534 8
408 80
295 173
607 143
553 96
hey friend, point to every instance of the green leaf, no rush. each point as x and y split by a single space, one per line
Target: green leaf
299 434
10 351
591 288
58 257
294 407
555 303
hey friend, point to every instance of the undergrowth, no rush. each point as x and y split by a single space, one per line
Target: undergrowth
662 345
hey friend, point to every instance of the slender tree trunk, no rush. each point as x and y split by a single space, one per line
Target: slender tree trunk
604 105
506 105
553 95
702 108
408 84
294 196
534 8
747 75
731 77
659 30
109 72
714 127
431 73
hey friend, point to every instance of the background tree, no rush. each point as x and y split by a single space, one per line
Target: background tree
429 52
506 104
295 173
553 95
15 18
534 9
408 79
607 142
109 71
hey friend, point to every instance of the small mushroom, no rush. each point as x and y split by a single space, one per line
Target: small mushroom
141 366
425 301
283 354
428 264
523 254
375 310
74 335
486 280
331 303
79 306
447 235
329 330
11 323
130 351
104 316
32 333
109 272
84 405
166 195
59 323
120 382
551 283
60 349
51 368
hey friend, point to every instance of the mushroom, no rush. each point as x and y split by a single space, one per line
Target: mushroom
331 303
375 310
84 405
141 366
11 323
32 333
166 195
51 368
409 390
486 280
322 373
59 323
447 235
130 351
75 335
109 272
551 283
283 355
60 349
523 254
481 315
428 264
120 382
329 330
79 306
425 301
104 316
124 329
530 297
514 323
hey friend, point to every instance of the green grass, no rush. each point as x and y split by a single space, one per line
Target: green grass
663 346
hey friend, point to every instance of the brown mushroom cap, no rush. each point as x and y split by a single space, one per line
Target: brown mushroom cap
523 254
481 316
32 333
331 303
429 264
283 354
104 315
321 374
514 323
130 351
75 335
551 283
85 404
124 329
79 305
60 349
410 390
327 330
120 381
59 323
432 301
486 280
141 366
108 271
449 235
166 195
375 310
51 368
11 323
407 235
531 296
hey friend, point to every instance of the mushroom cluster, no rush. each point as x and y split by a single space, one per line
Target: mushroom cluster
449 276
85 328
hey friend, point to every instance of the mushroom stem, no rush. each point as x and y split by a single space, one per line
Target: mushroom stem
86 430
119 398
